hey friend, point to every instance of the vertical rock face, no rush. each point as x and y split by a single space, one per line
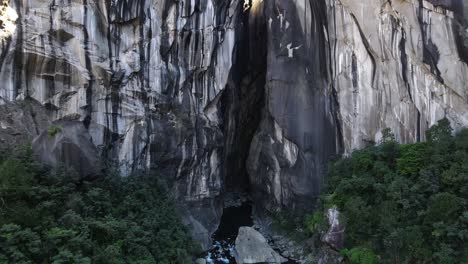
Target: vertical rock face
398 64
236 95
298 131
339 72
145 78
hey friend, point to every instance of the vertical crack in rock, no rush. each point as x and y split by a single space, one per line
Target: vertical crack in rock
243 99
50 81
5 46
89 86
18 62
431 53
367 46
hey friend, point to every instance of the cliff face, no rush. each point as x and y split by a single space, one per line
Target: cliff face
234 95
339 72
298 131
398 64
144 77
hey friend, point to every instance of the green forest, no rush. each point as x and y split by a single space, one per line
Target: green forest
400 203
54 217
403 203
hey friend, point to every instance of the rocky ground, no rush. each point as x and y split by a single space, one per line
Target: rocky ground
309 251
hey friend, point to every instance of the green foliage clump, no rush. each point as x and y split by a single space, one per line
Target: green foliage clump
53 130
54 217
360 255
316 222
290 224
405 203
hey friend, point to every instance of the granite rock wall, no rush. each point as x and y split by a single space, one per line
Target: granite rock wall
234 95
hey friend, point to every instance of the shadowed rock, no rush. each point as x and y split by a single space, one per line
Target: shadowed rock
335 235
68 144
252 247
20 123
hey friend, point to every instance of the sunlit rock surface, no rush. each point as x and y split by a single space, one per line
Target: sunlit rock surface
144 78
339 72
8 17
398 64
251 247
233 94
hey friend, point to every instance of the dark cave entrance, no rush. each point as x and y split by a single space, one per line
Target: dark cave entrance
242 106
224 238
243 100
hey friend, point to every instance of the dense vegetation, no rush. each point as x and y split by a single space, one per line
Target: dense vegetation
53 217
404 203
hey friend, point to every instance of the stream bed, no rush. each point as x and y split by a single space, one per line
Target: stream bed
238 214
222 251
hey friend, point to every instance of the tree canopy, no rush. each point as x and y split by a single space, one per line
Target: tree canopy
54 217
405 203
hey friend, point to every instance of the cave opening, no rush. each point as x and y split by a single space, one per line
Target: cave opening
243 100
242 106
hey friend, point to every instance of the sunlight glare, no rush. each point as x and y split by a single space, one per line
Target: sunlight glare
251 5
8 17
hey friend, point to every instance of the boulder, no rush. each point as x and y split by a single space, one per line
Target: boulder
200 261
252 247
68 143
